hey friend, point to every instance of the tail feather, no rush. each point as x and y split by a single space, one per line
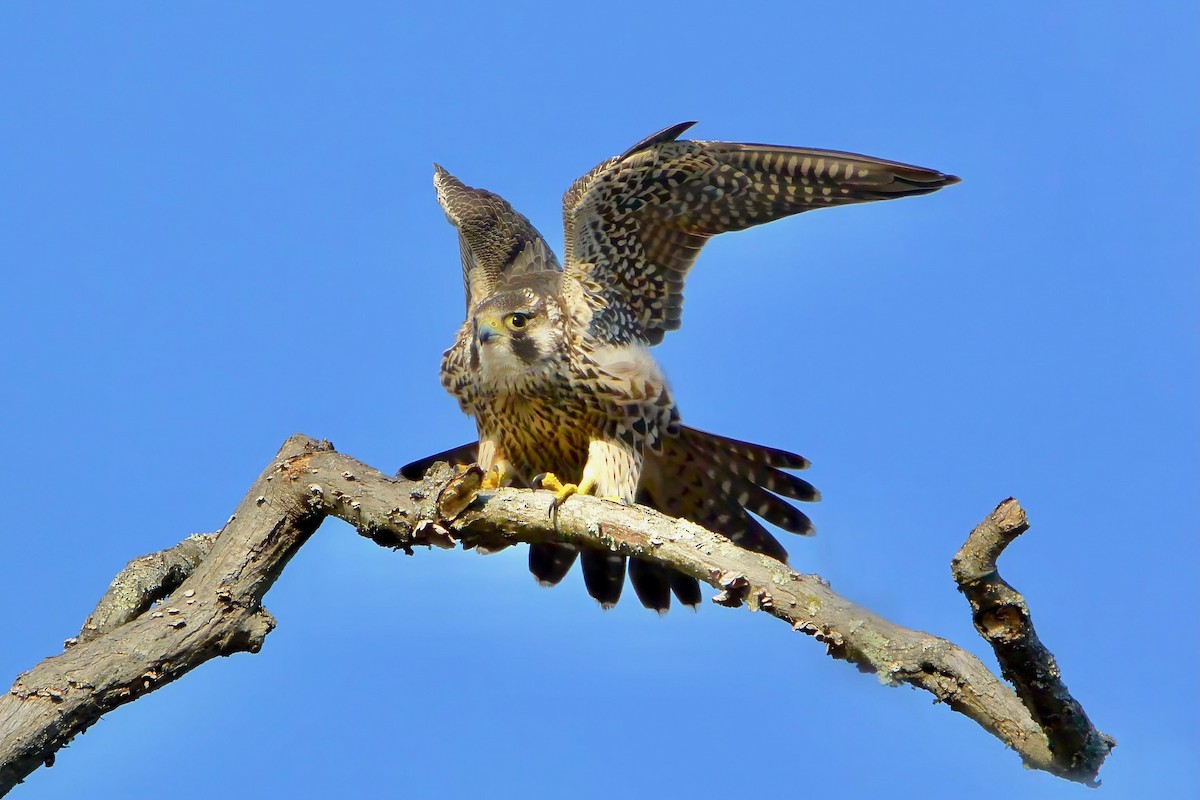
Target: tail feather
756 463
750 534
652 584
757 500
603 575
686 589
719 482
745 451
550 562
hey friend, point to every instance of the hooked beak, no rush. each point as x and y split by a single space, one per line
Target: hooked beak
488 329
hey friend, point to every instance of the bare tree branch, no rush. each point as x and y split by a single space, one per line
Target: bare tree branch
129 648
1002 617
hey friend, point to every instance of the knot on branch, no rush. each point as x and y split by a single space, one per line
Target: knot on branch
734 589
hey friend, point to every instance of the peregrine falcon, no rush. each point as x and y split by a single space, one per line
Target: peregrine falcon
553 362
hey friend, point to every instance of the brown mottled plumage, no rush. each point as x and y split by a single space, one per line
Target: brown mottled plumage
553 363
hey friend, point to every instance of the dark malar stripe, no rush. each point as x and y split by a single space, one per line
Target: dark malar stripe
525 348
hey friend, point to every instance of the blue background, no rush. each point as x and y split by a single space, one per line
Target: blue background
218 228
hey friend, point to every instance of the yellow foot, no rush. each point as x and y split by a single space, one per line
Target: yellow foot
494 478
562 490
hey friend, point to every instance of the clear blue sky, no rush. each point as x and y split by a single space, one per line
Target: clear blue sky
218 229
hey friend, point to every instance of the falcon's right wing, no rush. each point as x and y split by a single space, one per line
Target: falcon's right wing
496 242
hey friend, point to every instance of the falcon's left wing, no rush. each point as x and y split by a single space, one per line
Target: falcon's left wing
635 224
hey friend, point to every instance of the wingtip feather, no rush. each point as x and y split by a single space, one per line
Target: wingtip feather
667 134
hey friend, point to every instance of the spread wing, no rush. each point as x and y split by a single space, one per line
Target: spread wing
635 223
495 241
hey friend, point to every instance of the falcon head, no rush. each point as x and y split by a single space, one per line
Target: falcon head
516 333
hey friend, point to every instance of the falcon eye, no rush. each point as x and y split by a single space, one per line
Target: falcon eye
516 321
